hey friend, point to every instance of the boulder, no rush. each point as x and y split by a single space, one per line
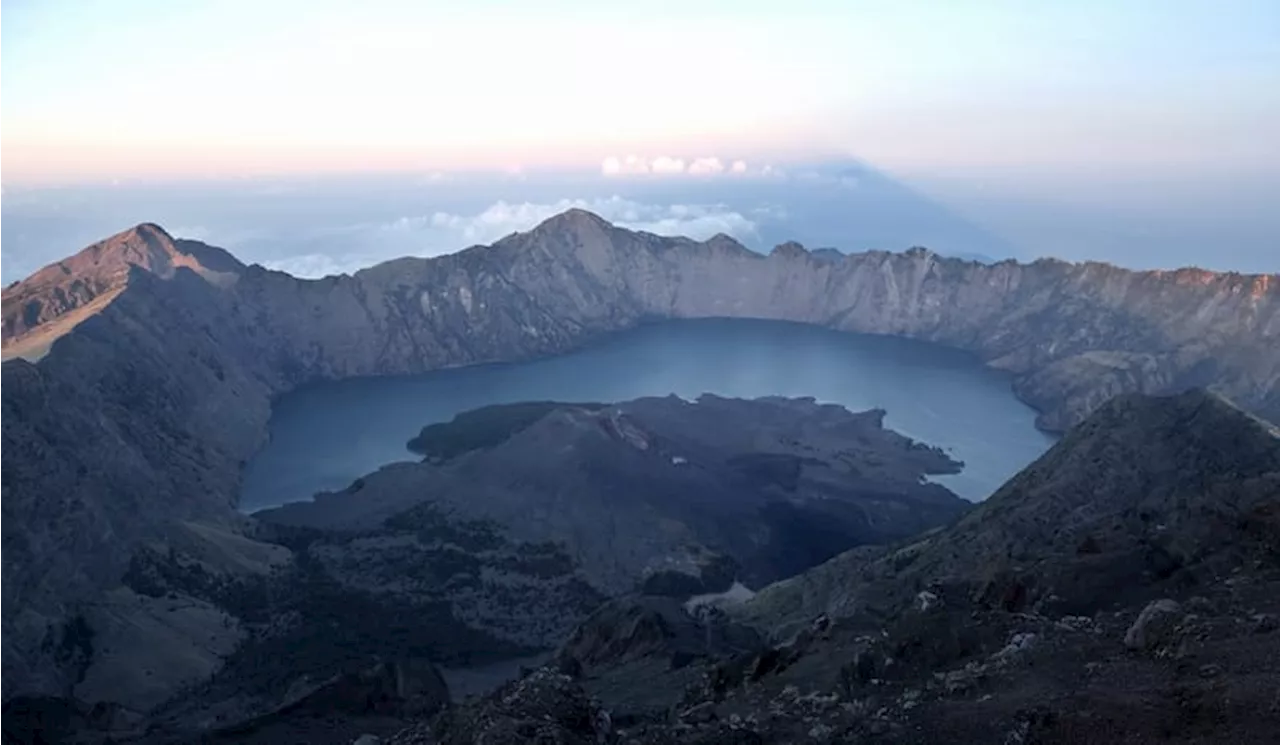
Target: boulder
1154 625
545 706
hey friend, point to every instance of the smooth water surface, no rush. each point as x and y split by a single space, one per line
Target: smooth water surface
326 435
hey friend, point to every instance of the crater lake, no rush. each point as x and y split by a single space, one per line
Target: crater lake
325 435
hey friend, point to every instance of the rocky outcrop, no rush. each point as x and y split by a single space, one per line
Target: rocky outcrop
367 695
545 706
139 374
636 627
1152 625
403 688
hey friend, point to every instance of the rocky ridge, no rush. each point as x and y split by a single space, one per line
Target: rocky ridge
140 381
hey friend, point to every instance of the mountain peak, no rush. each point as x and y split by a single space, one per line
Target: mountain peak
62 294
1180 468
145 245
147 230
790 248
1174 440
1192 417
574 219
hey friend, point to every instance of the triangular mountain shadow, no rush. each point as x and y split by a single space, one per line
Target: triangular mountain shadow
844 203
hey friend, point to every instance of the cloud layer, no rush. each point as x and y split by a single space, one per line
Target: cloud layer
348 249
665 165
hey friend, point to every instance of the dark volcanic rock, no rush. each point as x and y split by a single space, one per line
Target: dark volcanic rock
662 485
374 696
942 659
637 627
1011 626
543 707
1147 492
403 688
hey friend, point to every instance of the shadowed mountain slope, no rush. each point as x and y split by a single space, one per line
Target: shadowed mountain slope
1147 491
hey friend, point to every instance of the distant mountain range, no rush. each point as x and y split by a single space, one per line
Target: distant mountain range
139 377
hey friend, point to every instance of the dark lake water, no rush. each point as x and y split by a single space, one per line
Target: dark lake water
325 436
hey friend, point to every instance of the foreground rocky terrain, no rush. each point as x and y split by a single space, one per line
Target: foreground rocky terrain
139 376
1125 588
520 522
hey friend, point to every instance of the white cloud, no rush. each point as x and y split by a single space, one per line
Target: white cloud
706 166
230 238
314 266
617 166
191 232
446 232
503 218
666 164
633 164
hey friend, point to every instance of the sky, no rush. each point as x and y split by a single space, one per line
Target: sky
1129 130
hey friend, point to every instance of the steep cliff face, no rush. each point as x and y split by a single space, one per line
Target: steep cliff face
157 360
1073 335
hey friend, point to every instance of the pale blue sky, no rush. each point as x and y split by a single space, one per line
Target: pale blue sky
98 90
1135 131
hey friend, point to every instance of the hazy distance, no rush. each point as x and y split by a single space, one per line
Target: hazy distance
317 137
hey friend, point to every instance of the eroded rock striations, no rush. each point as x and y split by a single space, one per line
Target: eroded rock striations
139 374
